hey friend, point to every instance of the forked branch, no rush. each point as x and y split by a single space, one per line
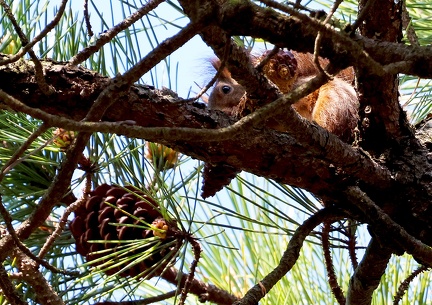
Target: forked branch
290 256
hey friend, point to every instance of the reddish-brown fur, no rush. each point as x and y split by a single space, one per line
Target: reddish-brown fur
334 106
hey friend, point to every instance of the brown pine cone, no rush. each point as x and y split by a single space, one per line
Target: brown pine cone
98 221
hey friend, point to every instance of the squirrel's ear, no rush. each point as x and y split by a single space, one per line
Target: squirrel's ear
225 74
216 63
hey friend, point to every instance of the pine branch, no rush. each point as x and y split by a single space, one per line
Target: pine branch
289 257
332 278
205 292
404 286
368 274
6 286
383 226
217 145
45 293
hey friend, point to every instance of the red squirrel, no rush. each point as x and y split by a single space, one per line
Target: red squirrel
334 106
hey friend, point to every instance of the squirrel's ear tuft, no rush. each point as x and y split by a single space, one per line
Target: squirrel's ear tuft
216 63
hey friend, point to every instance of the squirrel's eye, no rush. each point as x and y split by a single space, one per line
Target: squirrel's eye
226 89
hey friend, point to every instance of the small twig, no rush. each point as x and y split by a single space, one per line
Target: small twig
408 26
290 256
87 19
197 255
362 16
145 301
62 223
53 194
412 93
332 278
403 287
316 56
365 60
284 8
319 37
15 276
298 6
205 292
45 294
111 33
38 37
39 73
119 86
413 39
8 222
8 289
14 159
266 59
352 240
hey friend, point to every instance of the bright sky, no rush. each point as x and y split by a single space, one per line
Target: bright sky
192 58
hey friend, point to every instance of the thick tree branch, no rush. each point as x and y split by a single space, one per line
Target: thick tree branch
299 32
338 47
380 110
368 274
245 18
383 226
305 156
280 159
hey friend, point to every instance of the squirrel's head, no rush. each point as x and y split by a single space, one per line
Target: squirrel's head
281 69
226 93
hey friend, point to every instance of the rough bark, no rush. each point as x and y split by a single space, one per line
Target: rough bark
269 153
368 274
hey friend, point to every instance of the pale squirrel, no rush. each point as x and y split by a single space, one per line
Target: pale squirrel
334 106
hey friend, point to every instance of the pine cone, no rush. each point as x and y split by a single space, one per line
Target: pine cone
215 177
94 221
